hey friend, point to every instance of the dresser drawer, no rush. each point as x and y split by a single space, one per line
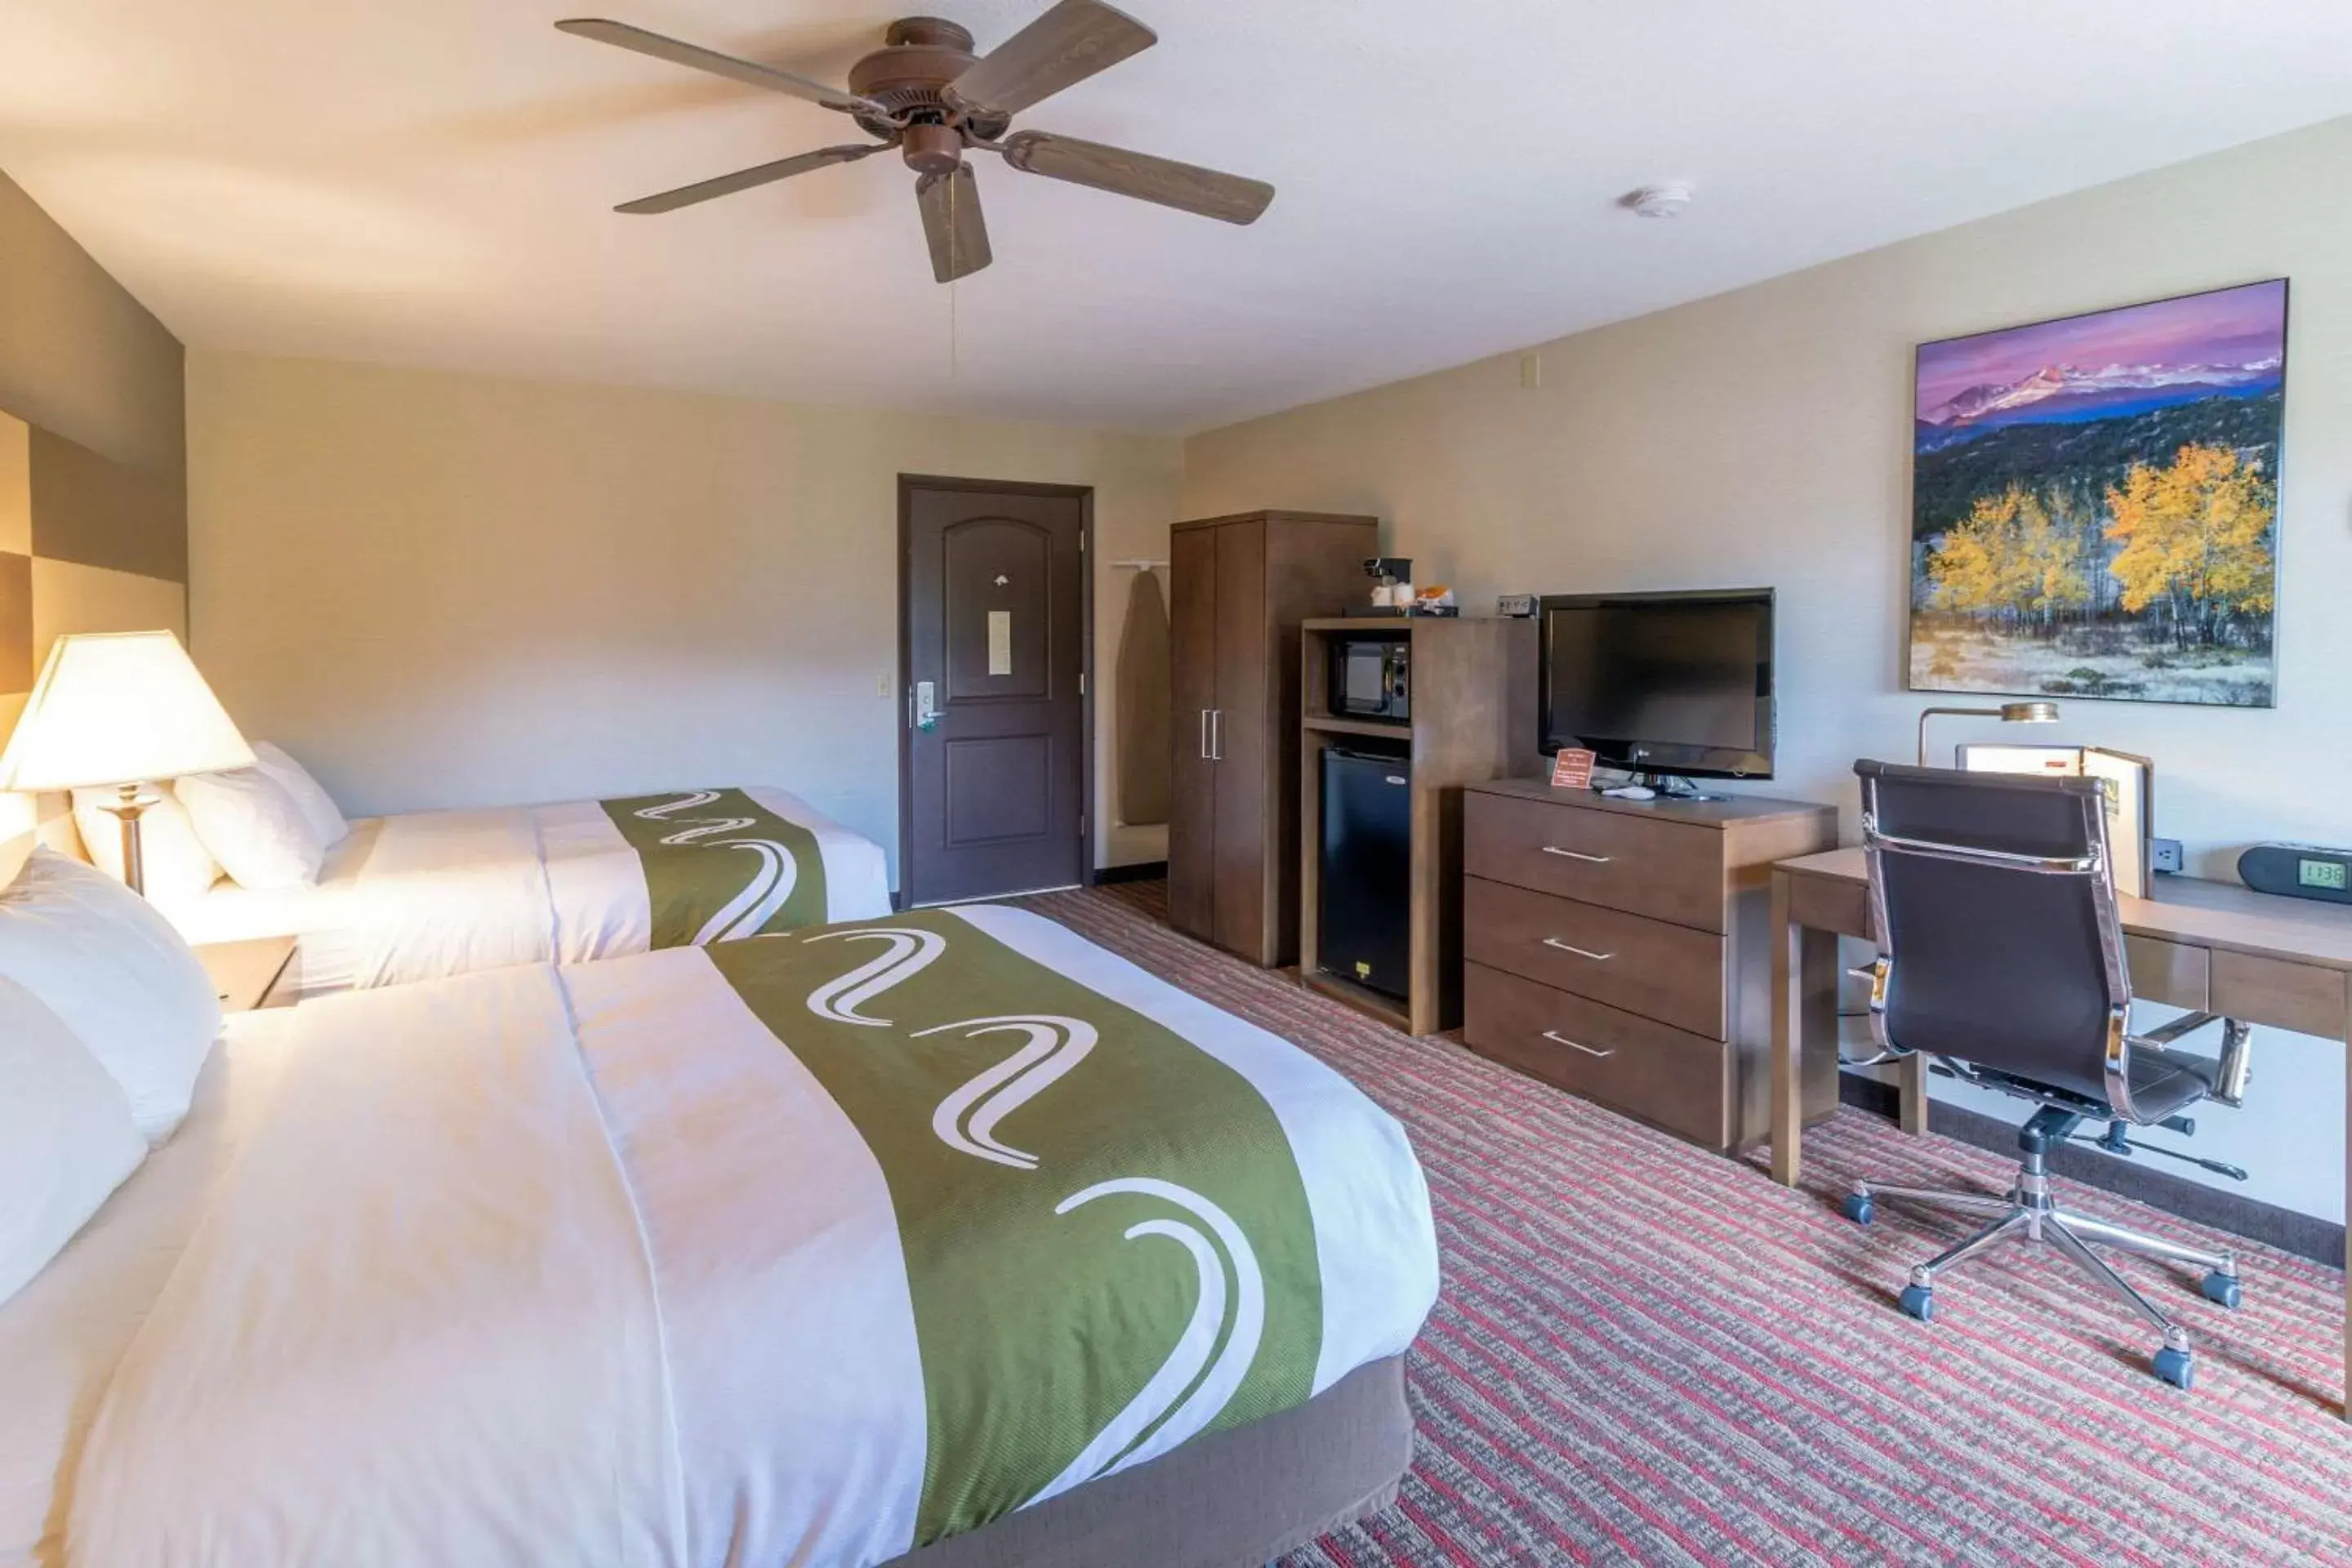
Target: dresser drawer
1667 870
1669 973
1677 1080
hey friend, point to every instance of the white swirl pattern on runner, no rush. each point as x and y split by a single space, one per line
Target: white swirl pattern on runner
1198 1379
772 882
967 1120
911 952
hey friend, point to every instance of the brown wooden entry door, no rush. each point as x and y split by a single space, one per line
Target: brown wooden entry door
993 637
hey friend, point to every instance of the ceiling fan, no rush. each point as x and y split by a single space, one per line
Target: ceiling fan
927 94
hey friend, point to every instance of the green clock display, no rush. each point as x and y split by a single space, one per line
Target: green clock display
2327 874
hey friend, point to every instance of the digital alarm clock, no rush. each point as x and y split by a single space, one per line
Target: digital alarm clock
2298 871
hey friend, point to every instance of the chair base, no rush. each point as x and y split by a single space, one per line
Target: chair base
2028 1213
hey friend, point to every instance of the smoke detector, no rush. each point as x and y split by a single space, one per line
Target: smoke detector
1657 201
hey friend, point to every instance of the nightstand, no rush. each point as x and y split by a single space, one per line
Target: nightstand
244 973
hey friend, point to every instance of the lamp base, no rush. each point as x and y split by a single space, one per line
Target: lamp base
127 806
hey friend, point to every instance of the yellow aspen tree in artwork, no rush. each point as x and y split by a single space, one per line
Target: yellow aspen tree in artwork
2009 557
2196 539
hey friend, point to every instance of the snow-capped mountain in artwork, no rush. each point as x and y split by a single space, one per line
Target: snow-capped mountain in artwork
2060 392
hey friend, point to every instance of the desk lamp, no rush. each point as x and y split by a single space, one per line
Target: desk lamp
119 709
2007 713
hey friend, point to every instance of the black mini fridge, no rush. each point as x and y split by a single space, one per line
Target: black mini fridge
1364 908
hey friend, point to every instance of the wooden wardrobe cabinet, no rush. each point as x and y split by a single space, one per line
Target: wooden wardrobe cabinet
1240 588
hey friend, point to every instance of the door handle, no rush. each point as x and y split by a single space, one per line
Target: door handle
1577 855
1216 734
1575 1045
1204 735
927 705
1553 942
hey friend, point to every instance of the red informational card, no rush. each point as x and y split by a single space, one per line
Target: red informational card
1571 769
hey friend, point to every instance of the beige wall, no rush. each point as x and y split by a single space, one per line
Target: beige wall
81 359
450 590
1763 438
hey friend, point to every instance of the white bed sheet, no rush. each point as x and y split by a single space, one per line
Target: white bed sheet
426 895
61 1337
636 1352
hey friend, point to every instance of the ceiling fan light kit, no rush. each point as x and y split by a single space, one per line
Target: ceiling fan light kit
929 95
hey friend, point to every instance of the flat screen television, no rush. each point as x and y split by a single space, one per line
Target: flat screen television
1660 683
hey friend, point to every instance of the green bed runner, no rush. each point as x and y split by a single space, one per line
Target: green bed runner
719 866
1107 1238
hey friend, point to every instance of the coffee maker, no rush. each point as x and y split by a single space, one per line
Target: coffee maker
1391 578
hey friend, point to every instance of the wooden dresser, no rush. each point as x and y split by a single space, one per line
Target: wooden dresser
1617 949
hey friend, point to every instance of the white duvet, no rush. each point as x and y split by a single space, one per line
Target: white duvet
577 1267
431 894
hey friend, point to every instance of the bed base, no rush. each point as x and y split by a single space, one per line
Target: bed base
1232 1499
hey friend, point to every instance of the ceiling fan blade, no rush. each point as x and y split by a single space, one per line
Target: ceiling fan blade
1064 46
1139 174
748 179
953 224
694 55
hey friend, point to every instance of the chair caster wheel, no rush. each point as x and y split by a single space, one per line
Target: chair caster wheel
1919 1301
1859 1208
2175 1367
2222 1288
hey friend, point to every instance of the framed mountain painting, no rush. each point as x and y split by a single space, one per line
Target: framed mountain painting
2094 504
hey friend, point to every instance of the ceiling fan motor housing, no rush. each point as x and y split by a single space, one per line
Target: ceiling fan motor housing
908 76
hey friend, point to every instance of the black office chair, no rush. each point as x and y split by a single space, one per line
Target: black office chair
2001 958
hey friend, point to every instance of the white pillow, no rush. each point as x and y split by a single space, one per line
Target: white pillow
178 865
317 806
101 958
253 827
67 1138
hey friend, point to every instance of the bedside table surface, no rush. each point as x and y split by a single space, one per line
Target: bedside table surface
243 972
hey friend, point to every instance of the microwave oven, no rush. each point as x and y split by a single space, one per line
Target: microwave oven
1371 679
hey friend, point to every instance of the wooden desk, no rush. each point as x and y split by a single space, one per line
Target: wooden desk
2212 946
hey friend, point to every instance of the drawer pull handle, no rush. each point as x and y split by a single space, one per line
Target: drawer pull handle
1577 855
1575 1045
1581 953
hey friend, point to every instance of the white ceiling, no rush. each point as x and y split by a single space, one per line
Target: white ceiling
429 182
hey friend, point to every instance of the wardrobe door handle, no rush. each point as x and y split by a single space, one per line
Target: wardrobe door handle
1216 734
1575 1045
1204 735
1554 941
1577 855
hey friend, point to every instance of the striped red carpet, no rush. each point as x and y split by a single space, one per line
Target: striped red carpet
1645 1353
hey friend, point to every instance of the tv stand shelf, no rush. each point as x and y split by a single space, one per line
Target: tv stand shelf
1473 685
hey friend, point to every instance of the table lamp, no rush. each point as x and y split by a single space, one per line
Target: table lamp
119 709
2007 713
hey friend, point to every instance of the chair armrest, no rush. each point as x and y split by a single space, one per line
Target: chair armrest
2165 1036
1888 1051
2231 1071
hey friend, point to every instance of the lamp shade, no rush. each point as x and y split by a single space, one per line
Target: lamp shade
118 708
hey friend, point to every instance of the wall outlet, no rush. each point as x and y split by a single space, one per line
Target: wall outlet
882 684
2164 854
1530 371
